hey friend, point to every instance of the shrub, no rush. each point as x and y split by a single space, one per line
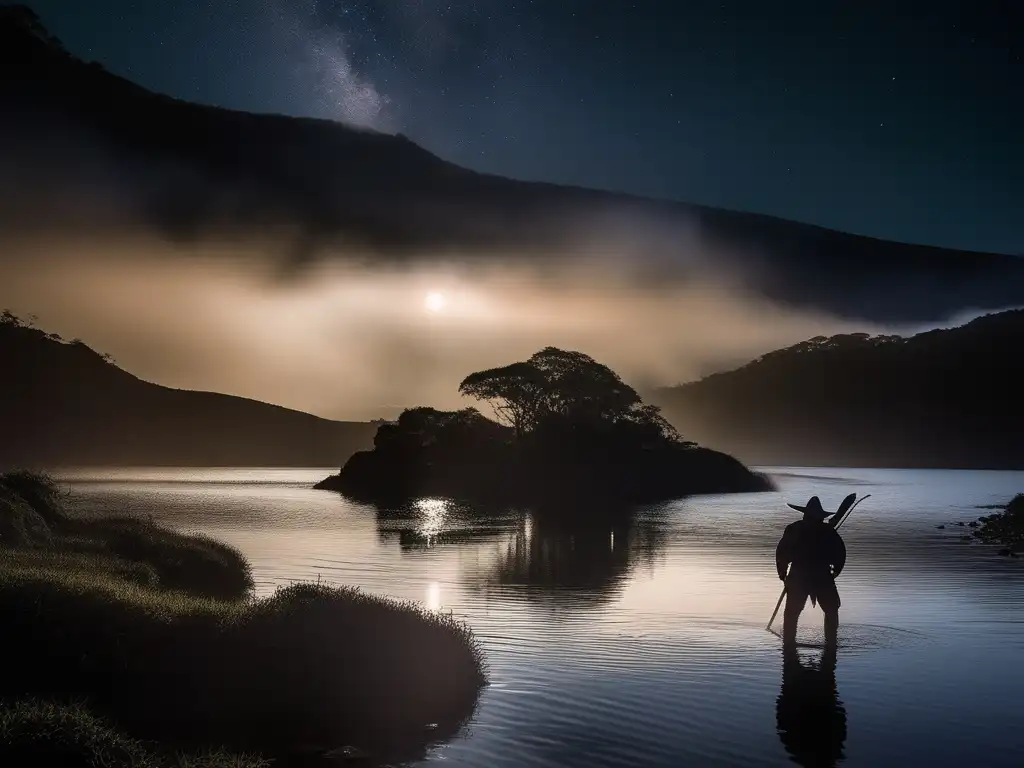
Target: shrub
386 668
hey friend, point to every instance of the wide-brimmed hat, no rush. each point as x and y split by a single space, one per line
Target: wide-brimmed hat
812 507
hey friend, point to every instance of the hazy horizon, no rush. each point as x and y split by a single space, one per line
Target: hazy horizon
236 277
344 340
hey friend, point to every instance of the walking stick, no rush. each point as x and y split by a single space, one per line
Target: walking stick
838 519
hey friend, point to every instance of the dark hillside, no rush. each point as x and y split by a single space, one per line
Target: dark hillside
62 404
945 398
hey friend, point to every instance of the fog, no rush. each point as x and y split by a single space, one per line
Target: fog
223 251
345 339
224 304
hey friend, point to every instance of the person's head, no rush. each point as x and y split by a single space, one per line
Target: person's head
813 511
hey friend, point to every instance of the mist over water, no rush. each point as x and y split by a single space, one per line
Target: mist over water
348 338
643 643
196 277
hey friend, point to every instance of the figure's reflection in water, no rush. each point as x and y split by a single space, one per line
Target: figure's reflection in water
810 717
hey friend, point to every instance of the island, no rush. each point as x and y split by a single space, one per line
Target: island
566 428
133 645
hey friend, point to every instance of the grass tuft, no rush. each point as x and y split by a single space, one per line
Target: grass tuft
32 516
39 491
20 525
192 563
44 733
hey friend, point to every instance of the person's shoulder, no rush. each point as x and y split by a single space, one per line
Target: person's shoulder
795 526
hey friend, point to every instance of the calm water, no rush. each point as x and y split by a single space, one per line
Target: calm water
645 644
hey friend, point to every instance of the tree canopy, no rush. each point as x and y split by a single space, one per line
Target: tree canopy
519 393
566 386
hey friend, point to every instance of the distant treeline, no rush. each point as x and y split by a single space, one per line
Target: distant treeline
945 398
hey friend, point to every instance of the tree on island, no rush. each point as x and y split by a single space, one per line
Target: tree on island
556 388
567 427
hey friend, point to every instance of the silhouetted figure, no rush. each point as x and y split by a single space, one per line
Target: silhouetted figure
817 555
811 720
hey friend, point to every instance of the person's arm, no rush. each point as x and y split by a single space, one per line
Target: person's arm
838 555
782 554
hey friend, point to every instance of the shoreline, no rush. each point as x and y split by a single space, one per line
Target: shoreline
309 666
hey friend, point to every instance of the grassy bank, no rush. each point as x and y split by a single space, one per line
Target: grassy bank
154 633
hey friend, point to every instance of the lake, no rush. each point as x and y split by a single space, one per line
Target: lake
645 643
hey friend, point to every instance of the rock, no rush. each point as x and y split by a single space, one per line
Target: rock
1004 552
972 524
961 524
941 527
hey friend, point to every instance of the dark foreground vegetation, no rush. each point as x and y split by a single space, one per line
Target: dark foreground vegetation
944 399
571 430
130 645
1005 528
42 733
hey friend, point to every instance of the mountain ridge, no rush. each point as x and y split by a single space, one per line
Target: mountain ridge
194 171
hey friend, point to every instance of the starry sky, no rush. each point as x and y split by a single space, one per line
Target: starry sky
897 119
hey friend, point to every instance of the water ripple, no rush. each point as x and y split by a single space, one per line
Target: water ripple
643 642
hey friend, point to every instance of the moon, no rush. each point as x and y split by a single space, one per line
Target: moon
434 302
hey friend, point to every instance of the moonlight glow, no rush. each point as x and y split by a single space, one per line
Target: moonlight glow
434 302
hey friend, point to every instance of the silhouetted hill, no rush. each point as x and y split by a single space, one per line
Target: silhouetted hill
62 404
945 398
191 170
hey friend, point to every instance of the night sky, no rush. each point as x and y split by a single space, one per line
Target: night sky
899 119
